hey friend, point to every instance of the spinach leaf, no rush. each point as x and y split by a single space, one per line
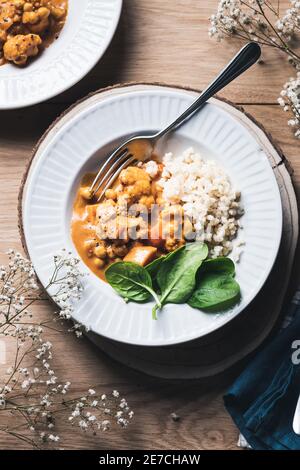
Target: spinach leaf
221 264
153 267
131 281
177 273
216 288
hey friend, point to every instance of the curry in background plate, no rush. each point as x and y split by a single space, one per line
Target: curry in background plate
27 27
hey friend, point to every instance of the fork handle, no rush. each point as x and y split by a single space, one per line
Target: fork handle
246 57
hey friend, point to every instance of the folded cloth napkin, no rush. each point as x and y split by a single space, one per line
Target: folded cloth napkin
263 399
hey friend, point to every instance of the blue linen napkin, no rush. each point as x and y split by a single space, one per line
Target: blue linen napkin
263 399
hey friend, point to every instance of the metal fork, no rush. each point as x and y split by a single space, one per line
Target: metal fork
140 147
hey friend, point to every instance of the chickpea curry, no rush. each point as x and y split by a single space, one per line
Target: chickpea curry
124 226
28 26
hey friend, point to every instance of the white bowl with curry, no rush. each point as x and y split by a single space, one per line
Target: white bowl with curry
181 243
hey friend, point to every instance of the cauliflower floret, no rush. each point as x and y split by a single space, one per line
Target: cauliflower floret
38 20
58 12
133 174
7 14
18 48
138 189
136 181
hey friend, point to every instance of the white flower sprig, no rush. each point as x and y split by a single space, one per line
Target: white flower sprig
258 21
30 390
65 287
289 100
263 22
89 410
289 24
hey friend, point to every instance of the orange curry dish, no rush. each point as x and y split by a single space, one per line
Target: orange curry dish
28 26
124 225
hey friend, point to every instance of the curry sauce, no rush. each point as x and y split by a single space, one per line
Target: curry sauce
83 228
123 226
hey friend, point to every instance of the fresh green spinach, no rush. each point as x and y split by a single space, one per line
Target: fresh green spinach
216 288
131 281
176 276
221 264
153 267
185 275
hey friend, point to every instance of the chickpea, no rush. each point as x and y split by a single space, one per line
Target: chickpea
100 251
110 252
19 3
99 263
30 17
111 194
86 193
28 7
120 250
43 12
57 13
89 245
171 244
159 200
147 201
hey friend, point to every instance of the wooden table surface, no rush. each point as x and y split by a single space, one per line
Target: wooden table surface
163 41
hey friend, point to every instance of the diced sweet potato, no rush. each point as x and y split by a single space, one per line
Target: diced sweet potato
141 255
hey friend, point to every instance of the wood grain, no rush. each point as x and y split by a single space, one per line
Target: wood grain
156 41
167 41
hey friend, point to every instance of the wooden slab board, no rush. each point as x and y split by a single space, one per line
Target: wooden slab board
222 349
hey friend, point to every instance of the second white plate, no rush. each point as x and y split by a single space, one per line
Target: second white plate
71 148
89 28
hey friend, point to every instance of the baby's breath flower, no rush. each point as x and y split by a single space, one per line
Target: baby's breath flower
105 425
290 22
290 101
251 20
32 382
83 424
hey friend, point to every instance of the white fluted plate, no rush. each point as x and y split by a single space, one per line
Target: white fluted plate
88 31
76 144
